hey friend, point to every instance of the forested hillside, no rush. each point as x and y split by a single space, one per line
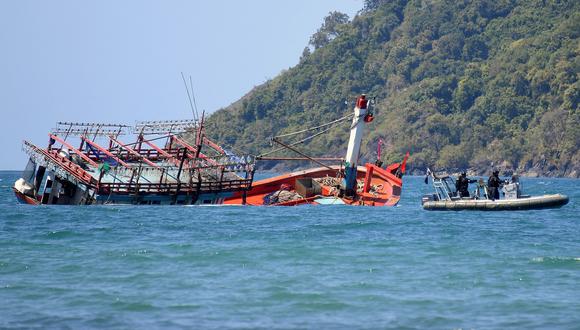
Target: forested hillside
459 83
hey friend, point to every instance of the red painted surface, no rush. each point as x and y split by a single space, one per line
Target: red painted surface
362 102
24 199
388 187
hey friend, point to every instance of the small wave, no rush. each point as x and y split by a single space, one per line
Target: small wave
323 306
185 307
133 307
102 229
557 261
15 216
60 234
10 268
70 268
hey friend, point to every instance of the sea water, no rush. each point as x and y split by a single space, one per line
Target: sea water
329 267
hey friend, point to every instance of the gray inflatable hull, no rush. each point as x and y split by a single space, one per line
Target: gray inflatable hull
536 202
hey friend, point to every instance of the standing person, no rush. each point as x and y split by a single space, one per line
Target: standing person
462 185
493 184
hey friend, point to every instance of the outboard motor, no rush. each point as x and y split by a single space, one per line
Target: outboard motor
512 189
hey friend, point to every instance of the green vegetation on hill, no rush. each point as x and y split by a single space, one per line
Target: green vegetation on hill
458 83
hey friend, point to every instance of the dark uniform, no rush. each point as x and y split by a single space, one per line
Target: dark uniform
462 185
493 184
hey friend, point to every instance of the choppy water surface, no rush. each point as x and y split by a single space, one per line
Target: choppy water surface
298 267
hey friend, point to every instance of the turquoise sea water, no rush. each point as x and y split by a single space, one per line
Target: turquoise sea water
331 267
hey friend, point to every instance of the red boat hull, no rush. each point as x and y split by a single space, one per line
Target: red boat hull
380 188
25 199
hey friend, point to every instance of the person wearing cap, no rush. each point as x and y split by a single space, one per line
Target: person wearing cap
462 185
493 184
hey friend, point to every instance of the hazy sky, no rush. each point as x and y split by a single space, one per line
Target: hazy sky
120 61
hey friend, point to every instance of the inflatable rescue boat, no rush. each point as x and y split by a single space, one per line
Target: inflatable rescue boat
445 198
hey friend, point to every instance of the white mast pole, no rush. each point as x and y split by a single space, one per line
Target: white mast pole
354 142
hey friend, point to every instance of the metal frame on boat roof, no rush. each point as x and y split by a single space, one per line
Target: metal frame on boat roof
442 183
99 169
165 126
89 129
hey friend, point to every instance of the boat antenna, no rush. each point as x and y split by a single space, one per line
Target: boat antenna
189 97
193 96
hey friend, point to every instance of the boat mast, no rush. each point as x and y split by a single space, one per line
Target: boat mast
354 142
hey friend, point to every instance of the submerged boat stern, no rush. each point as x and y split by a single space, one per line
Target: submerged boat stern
104 170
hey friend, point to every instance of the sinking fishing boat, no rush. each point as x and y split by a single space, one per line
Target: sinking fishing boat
446 199
346 183
87 163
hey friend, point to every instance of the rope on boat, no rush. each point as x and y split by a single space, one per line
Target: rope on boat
302 154
306 138
295 143
329 126
316 127
281 196
328 181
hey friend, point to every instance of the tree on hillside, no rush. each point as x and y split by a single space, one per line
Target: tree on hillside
370 5
459 83
329 30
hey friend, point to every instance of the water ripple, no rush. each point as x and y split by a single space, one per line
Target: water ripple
278 268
